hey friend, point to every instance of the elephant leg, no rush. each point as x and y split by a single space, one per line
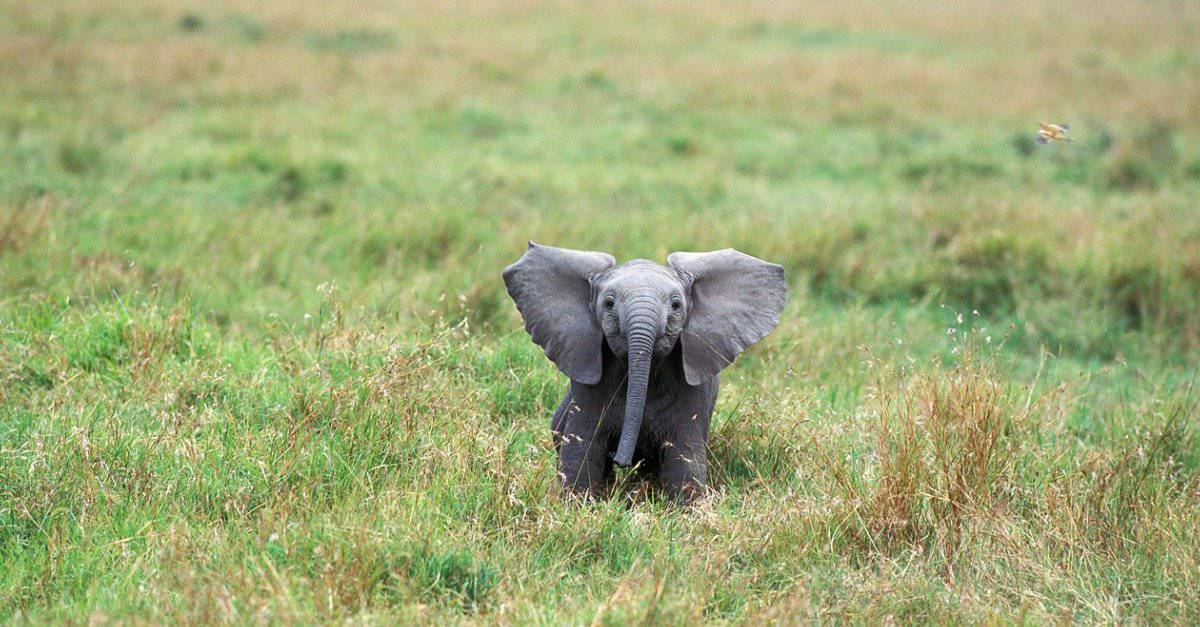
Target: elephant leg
583 463
684 459
684 473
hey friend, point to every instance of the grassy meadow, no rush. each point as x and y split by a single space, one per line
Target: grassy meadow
257 364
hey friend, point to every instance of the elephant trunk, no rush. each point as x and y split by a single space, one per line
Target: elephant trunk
641 334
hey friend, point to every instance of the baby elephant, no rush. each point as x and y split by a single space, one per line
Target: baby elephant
643 345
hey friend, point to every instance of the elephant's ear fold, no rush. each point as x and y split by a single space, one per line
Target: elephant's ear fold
552 290
735 301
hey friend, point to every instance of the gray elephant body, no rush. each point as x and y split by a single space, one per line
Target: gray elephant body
643 345
672 441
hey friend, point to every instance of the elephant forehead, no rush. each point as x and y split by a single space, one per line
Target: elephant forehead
642 274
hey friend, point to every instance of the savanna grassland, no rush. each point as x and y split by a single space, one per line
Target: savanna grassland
257 363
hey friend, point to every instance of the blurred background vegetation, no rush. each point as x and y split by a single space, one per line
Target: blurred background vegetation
256 362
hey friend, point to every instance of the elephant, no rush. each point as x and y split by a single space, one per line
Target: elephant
643 345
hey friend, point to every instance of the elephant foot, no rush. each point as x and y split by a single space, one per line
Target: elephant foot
687 493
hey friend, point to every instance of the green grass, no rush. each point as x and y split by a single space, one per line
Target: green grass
257 363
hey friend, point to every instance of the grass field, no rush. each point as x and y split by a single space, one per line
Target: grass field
257 363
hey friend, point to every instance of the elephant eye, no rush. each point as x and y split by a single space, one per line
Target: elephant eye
676 304
608 302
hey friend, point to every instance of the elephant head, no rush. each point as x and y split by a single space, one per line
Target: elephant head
714 304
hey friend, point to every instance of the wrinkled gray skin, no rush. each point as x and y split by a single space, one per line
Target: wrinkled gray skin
643 345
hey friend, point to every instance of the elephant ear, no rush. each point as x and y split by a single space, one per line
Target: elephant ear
735 299
552 289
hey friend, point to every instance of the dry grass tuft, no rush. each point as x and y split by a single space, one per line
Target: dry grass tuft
947 445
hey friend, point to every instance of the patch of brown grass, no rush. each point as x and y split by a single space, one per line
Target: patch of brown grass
945 455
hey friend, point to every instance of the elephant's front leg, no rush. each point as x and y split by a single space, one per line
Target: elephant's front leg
684 471
583 464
